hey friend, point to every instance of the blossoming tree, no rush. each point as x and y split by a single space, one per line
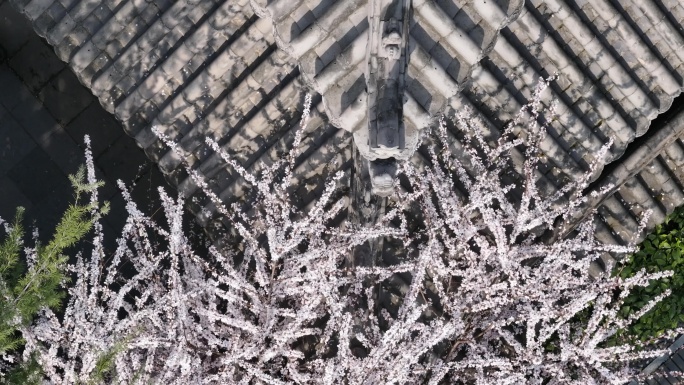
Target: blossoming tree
473 294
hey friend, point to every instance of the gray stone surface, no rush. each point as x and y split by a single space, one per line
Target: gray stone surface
14 31
95 121
36 62
44 116
15 144
64 96
9 81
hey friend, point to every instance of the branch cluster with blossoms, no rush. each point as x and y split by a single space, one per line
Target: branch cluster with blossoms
487 300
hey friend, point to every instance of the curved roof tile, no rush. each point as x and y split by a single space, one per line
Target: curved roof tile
197 68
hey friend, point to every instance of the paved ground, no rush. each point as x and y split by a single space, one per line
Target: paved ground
44 114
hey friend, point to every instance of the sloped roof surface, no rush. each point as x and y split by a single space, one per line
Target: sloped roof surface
197 68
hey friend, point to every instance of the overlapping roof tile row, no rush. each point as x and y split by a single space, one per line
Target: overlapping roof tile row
197 68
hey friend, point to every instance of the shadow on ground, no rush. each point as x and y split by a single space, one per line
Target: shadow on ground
44 114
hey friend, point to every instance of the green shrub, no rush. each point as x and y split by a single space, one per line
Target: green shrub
662 250
32 278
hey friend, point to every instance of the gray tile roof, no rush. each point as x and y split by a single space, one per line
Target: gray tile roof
198 68
673 362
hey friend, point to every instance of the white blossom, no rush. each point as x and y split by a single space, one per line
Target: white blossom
486 300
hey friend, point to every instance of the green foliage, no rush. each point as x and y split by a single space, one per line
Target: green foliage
29 373
31 280
662 250
10 273
104 367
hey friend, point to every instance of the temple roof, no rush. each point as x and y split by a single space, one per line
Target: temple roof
197 68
